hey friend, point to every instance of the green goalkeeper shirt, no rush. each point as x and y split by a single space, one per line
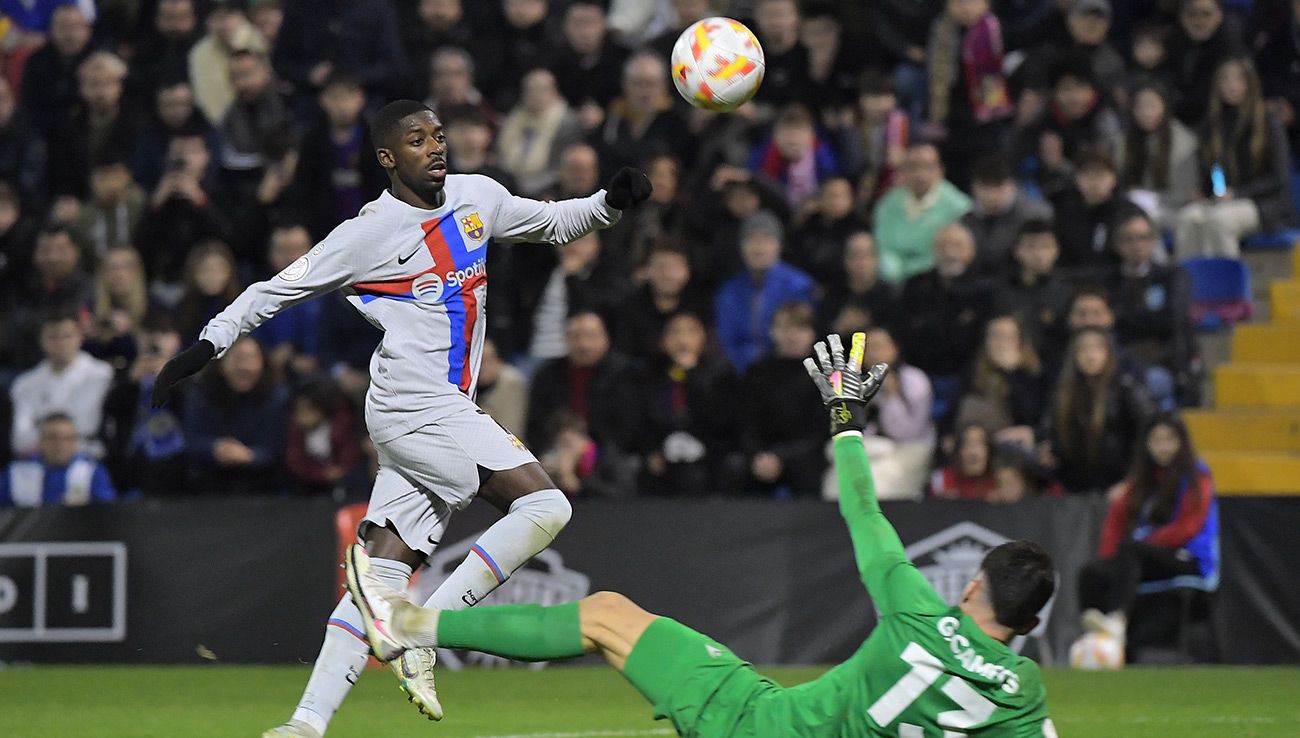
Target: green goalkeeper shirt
926 670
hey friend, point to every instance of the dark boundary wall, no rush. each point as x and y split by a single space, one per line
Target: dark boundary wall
252 581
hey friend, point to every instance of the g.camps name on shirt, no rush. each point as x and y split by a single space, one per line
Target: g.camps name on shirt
973 662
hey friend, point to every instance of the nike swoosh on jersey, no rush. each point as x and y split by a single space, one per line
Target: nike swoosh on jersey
401 260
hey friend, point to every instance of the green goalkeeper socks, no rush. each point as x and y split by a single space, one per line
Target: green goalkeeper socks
520 632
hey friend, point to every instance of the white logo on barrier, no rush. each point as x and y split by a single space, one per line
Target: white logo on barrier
950 558
543 581
66 592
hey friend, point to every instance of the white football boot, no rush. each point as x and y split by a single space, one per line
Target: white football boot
378 603
292 729
414 670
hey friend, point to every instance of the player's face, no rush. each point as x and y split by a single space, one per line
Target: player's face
418 158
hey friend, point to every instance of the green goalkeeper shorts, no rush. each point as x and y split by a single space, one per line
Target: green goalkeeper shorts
697 683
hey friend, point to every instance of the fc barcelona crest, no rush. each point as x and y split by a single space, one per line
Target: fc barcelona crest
472 226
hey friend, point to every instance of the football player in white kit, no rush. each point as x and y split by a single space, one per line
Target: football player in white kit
413 262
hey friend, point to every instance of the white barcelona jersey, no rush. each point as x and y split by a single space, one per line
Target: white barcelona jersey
421 277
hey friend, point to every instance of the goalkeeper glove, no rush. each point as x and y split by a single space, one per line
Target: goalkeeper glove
844 389
179 367
627 188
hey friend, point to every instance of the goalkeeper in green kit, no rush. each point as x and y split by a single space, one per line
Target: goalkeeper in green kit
926 671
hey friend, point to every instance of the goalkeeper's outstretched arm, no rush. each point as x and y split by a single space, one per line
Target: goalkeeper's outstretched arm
891 580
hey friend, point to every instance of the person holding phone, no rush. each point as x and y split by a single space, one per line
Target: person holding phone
1244 160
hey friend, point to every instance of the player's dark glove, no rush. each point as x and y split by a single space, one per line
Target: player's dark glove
627 188
844 389
182 365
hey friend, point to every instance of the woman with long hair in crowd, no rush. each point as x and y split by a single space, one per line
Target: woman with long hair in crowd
211 283
1162 525
1157 155
1245 168
1095 417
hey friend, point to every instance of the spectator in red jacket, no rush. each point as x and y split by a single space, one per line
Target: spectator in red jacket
1162 526
322 446
969 475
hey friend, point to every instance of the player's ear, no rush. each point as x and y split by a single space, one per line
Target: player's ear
385 157
972 586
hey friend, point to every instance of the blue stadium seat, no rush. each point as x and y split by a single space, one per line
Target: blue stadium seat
1220 292
1275 241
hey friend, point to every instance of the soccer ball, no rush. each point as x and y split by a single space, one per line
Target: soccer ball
1096 651
717 64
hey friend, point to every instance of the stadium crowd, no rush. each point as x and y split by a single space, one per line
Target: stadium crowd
999 191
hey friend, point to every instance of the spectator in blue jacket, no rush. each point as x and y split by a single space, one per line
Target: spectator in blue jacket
234 423
58 475
747 301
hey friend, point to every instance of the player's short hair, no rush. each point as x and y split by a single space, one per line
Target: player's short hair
384 127
1021 579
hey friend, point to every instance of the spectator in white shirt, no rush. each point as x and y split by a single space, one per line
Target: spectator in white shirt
68 381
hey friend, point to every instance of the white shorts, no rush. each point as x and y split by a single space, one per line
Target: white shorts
427 474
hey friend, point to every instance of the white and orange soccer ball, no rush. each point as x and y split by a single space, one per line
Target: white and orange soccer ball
717 64
1097 651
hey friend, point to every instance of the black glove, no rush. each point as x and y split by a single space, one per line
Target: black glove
843 389
182 365
627 188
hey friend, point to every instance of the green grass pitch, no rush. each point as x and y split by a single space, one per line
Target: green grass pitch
578 702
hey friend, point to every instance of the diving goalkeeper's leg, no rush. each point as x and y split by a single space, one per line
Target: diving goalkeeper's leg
675 668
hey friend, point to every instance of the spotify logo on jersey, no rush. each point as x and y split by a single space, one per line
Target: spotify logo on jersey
427 287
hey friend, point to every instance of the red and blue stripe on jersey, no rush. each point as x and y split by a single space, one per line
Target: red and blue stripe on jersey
451 255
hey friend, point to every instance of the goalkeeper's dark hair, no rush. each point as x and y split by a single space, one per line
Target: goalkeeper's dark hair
385 126
1020 579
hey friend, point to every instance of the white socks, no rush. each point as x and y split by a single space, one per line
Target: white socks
344 653
531 524
533 521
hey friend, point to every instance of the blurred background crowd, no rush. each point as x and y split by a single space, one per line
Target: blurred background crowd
1001 192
